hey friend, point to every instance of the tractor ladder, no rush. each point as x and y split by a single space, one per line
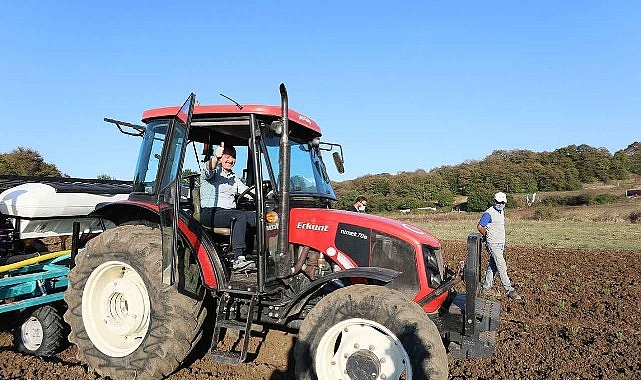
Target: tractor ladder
234 314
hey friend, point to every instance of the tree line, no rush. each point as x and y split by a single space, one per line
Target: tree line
510 171
29 162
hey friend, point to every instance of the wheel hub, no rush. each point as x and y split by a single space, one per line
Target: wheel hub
124 309
32 334
116 308
363 365
363 350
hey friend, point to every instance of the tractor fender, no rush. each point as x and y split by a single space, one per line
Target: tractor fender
127 211
377 274
124 212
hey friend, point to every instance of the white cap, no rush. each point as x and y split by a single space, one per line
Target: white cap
500 197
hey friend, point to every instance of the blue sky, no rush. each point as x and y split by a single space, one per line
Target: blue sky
402 85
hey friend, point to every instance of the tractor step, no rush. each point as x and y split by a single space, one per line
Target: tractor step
232 325
227 357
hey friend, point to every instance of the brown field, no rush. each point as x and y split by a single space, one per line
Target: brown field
580 317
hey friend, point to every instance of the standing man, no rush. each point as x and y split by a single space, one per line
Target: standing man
359 206
492 227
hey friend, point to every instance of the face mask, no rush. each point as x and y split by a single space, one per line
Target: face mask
361 208
499 207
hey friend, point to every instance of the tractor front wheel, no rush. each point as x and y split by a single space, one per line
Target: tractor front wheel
368 332
126 323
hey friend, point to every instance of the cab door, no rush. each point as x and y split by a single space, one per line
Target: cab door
169 185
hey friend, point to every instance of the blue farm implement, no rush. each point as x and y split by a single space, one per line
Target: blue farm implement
34 289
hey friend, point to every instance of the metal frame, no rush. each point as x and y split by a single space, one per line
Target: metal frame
35 284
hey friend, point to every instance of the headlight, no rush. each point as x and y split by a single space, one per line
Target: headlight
434 265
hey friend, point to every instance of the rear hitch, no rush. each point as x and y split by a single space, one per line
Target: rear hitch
480 316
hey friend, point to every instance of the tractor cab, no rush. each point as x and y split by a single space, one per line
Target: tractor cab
281 172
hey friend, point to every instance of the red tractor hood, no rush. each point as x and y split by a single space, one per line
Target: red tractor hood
348 235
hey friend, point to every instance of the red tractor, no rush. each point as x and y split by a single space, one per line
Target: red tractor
370 297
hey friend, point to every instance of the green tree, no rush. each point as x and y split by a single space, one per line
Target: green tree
480 198
27 162
591 163
445 198
188 172
630 157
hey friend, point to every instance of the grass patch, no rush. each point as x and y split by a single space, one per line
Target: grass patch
597 227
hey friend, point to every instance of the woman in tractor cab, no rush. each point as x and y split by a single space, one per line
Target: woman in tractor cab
219 188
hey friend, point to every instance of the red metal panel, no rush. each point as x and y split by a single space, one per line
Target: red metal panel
232 110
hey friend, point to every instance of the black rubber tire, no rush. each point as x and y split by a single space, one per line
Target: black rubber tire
384 306
52 328
176 316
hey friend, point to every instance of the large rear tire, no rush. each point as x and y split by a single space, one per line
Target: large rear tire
126 323
369 332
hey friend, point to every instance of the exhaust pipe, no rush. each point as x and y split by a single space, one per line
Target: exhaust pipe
283 258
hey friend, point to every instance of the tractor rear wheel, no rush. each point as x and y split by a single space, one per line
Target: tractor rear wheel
126 323
369 332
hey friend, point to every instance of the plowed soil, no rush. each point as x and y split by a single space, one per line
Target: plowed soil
580 318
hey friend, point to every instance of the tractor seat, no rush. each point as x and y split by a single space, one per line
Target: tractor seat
225 231
222 236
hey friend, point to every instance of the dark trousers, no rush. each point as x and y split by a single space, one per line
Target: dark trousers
221 217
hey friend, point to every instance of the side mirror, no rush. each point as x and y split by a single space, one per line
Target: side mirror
338 161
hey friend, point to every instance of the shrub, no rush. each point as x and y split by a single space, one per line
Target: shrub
445 198
546 213
607 198
583 199
579 200
635 216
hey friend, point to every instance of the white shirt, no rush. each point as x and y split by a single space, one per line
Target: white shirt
219 188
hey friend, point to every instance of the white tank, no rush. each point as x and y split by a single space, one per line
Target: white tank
38 200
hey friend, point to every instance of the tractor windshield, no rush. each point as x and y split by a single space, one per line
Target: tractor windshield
308 175
149 157
150 154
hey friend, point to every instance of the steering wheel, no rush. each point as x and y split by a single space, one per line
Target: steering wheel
248 191
242 203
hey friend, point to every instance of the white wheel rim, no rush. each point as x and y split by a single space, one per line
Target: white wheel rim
116 308
32 334
365 339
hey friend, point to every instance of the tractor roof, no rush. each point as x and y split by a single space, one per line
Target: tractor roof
228 110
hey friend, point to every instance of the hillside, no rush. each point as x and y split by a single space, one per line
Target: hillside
567 169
